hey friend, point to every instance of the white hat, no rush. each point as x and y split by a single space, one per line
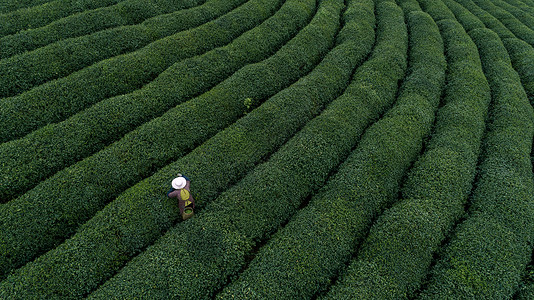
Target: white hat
178 183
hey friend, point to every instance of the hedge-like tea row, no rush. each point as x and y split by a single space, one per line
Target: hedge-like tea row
62 58
464 16
78 192
400 247
522 5
211 247
8 6
58 99
437 9
127 12
235 150
490 21
519 29
521 53
40 15
13 82
519 46
321 238
526 290
392 144
528 2
59 145
126 37
520 14
409 6
522 56
488 252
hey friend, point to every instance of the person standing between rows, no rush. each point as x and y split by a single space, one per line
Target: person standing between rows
180 188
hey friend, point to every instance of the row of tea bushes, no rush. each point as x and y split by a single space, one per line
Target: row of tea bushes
320 239
38 13
51 148
396 256
8 6
213 166
490 249
208 249
67 56
80 191
127 12
242 137
392 145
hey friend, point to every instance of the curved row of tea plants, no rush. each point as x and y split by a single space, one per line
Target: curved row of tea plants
522 5
67 56
523 16
45 13
472 16
112 76
487 19
394 259
8 6
83 189
206 251
399 135
522 57
489 251
126 12
436 9
56 146
217 163
526 289
519 29
520 52
320 239
464 16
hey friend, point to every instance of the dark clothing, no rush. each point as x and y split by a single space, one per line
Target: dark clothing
183 203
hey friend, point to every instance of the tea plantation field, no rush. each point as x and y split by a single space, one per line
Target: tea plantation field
337 149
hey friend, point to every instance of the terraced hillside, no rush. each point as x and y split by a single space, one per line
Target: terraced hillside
338 149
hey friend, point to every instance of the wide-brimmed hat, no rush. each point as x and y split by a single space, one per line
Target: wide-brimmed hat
178 183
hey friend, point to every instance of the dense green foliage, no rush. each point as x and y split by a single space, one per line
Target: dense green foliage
464 16
392 144
395 255
522 56
274 190
59 145
522 5
127 12
235 150
66 56
520 14
321 238
326 162
507 19
521 53
42 12
60 98
490 21
81 190
437 9
8 6
490 249
526 290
